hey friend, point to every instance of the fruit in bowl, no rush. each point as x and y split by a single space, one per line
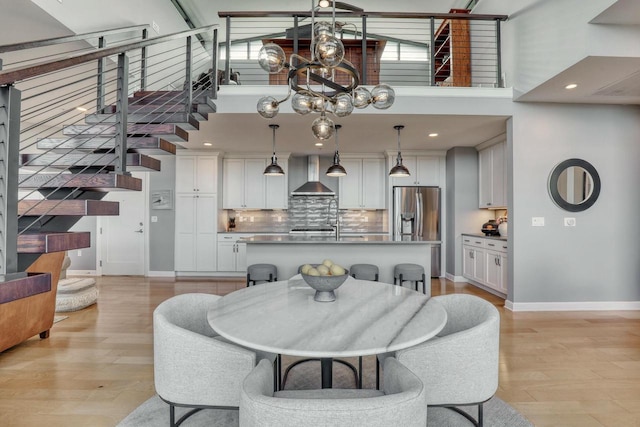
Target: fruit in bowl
324 278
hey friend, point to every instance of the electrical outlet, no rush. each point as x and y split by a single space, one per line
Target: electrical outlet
537 221
154 219
569 222
156 27
79 253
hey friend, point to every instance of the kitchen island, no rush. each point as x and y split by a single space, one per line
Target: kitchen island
288 252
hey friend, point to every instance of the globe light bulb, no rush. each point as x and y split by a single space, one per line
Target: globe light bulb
329 51
318 103
272 58
322 128
301 103
268 107
361 97
383 96
322 28
343 105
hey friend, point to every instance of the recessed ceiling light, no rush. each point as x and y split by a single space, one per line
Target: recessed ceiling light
207 144
81 109
571 86
433 135
319 144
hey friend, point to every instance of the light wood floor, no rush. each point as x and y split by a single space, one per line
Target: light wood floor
559 369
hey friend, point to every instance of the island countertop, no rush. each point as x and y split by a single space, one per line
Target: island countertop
330 240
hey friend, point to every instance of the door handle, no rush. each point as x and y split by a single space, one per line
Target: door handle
138 231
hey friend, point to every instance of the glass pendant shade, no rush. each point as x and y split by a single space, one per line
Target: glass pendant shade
272 58
329 50
336 169
274 168
323 28
268 107
302 103
383 96
361 97
343 105
322 127
399 170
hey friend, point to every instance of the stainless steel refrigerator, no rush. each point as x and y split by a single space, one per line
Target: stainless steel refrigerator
416 214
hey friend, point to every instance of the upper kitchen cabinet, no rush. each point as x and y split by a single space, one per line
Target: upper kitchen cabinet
424 170
244 185
197 174
492 177
363 186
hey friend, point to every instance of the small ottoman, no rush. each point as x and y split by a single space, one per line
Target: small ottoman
76 293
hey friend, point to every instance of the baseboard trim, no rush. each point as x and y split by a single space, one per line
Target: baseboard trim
573 306
161 274
209 274
455 279
82 273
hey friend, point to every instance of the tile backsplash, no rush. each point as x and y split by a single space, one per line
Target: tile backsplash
307 211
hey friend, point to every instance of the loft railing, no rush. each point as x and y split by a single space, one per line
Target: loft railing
80 101
402 49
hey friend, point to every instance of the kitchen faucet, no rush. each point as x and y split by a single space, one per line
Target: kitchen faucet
336 226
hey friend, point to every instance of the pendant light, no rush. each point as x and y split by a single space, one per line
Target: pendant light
336 168
274 168
399 170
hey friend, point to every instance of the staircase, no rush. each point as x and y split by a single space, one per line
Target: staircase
64 175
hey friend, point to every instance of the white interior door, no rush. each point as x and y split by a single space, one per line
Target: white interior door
123 237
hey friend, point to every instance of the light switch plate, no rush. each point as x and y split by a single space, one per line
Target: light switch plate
537 221
154 219
569 222
155 27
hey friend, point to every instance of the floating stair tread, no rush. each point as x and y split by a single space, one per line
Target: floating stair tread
160 117
133 129
40 243
68 207
144 144
79 160
93 182
159 96
33 284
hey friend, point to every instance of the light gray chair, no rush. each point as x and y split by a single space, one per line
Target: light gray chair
261 273
400 404
460 365
193 366
410 273
364 272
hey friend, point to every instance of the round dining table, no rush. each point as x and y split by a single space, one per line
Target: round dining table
367 318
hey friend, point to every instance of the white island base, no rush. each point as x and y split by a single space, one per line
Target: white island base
288 254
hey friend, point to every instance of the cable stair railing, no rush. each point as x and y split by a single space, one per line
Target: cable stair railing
73 127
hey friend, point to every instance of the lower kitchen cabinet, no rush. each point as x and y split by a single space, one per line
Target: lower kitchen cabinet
196 229
485 261
232 256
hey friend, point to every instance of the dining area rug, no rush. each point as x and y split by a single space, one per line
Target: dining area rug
155 412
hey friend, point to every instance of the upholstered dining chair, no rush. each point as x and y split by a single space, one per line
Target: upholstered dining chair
193 366
400 404
459 365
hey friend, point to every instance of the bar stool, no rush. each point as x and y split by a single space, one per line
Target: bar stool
364 272
261 273
410 273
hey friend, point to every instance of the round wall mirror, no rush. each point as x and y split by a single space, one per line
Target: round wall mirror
574 185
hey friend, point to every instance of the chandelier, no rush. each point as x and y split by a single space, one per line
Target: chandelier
315 80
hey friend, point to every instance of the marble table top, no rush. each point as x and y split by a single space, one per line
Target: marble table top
366 318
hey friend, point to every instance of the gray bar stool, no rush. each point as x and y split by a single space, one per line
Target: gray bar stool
410 273
261 273
364 272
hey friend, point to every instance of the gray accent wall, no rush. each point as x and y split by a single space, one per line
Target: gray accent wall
162 233
463 215
598 259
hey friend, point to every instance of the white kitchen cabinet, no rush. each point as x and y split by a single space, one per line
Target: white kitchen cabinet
485 261
363 186
196 174
243 184
492 176
196 230
424 170
232 255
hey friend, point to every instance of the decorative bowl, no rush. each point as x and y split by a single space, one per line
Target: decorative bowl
325 285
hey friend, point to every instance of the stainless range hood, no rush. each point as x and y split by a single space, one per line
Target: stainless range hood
313 186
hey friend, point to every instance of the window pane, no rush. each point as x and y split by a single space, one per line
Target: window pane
390 52
254 49
239 51
413 53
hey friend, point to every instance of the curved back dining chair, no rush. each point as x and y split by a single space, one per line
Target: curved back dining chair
460 365
193 366
400 404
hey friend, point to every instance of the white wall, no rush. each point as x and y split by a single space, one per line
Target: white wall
598 259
